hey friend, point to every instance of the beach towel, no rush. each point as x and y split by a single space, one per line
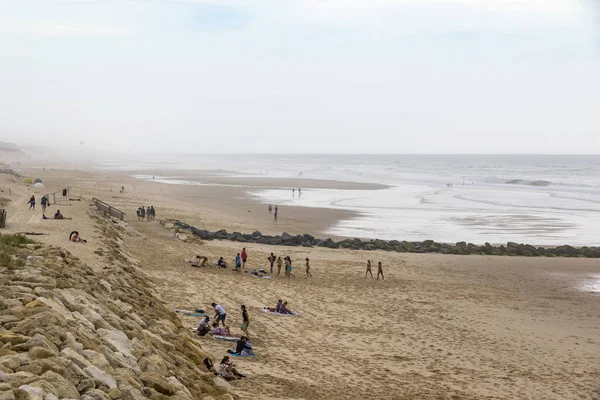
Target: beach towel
188 313
276 313
225 338
234 354
262 277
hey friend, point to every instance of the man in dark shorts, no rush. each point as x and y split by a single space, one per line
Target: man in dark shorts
220 313
272 259
244 257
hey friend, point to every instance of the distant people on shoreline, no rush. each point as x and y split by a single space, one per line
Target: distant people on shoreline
275 214
270 208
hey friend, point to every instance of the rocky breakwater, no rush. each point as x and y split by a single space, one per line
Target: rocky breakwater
426 246
68 331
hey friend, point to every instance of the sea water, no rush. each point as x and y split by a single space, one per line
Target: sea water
537 199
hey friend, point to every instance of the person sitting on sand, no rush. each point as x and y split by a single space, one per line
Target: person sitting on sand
75 238
221 263
276 308
243 347
203 326
221 331
58 215
284 309
279 264
228 371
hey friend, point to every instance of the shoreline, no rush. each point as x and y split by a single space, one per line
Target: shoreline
238 208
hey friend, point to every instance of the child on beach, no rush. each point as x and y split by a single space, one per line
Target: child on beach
228 371
380 271
223 331
244 257
308 274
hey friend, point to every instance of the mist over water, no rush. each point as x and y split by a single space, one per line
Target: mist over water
537 199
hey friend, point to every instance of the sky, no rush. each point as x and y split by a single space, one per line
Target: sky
301 76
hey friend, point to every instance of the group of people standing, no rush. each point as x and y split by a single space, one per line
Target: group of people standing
148 214
277 260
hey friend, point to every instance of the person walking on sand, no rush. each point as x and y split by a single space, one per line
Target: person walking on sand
380 271
148 214
142 213
245 321
31 202
220 313
308 274
238 263
138 213
244 257
368 271
153 212
279 264
44 202
270 208
288 267
275 214
272 259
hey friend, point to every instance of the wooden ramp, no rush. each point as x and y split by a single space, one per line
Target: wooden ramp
106 208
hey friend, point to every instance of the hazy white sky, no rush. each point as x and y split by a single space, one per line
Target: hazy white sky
288 76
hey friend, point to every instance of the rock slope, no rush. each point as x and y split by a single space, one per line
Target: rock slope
70 332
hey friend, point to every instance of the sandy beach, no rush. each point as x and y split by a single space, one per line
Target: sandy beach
437 327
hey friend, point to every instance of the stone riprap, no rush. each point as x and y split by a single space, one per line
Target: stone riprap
68 331
427 246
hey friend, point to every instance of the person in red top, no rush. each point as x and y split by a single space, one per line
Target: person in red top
244 257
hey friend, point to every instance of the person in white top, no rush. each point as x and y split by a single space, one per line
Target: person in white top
220 313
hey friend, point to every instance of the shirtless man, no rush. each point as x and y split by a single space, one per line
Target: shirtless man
368 271
380 271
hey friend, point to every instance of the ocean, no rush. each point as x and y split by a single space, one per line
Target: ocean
535 199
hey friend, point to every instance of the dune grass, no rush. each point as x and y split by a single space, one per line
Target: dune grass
8 244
